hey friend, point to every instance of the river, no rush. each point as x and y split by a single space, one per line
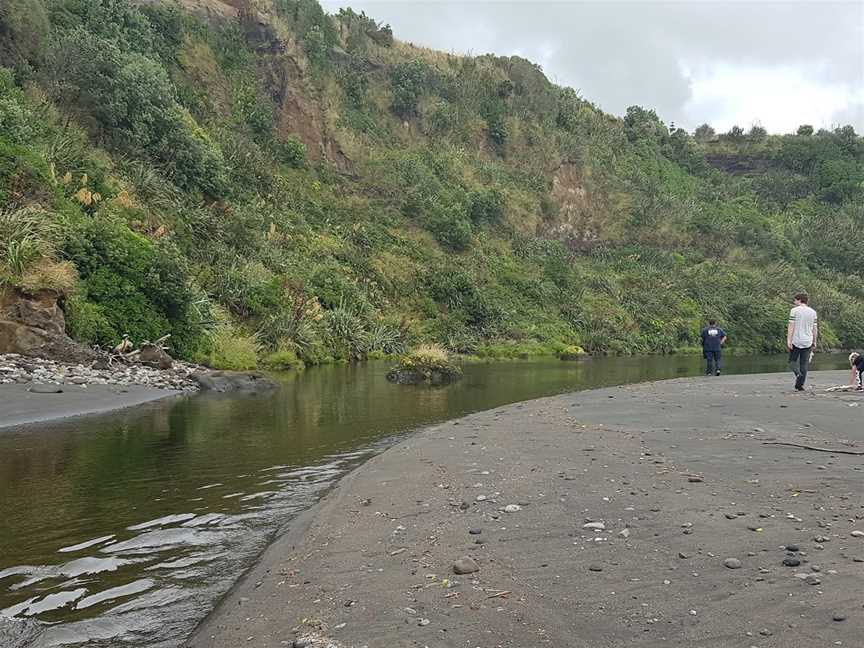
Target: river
124 530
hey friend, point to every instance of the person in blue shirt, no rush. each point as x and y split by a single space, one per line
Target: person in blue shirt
713 338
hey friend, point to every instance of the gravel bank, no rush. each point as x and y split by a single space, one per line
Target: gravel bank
648 515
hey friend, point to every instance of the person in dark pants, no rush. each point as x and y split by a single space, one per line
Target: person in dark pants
801 336
713 338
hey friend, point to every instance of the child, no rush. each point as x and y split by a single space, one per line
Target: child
857 362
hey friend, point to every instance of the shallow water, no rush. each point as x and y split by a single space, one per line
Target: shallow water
125 529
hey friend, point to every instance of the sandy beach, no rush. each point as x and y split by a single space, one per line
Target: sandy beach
659 514
28 404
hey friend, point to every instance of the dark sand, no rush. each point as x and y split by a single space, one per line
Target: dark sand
19 406
372 564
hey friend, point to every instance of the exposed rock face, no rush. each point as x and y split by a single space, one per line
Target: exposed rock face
34 325
580 222
18 633
248 382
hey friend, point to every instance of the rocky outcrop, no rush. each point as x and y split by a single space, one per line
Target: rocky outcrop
247 382
18 633
34 325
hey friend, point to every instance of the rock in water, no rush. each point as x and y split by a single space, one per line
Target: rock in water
249 382
732 563
465 565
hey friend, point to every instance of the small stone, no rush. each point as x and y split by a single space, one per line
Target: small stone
511 508
732 563
695 480
465 565
597 526
822 539
791 562
857 534
792 547
813 579
595 568
683 556
302 643
731 516
423 622
765 632
839 617
624 533
475 531
480 498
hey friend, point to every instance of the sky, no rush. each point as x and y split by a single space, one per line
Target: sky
775 63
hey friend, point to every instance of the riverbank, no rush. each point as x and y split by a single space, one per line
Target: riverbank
21 406
689 514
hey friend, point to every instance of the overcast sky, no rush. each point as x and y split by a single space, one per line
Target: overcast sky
776 63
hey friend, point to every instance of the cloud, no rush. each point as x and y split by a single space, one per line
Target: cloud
693 62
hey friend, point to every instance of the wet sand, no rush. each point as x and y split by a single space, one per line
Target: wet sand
20 406
677 473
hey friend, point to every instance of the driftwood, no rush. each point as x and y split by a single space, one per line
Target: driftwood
857 453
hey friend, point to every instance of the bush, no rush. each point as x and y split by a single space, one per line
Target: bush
450 227
231 350
283 360
141 285
409 81
291 151
427 363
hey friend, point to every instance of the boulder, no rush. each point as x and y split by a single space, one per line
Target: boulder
417 377
247 382
18 633
34 325
155 356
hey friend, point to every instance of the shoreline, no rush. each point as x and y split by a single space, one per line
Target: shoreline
20 407
372 564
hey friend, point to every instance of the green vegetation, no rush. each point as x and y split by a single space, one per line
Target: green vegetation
427 363
305 189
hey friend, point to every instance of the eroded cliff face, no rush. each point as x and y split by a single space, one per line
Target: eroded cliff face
34 325
580 220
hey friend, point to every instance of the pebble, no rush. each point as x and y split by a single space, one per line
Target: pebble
839 617
791 547
597 526
791 562
624 533
731 516
45 376
595 568
465 565
511 508
695 480
423 622
732 563
683 556
857 534
475 531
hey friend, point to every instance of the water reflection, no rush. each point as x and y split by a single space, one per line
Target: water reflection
124 529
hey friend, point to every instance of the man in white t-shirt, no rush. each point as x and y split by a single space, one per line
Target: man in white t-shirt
801 338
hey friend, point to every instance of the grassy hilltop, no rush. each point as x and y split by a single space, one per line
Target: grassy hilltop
263 180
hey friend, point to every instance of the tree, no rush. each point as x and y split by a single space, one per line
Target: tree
757 133
805 130
409 81
704 133
735 133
